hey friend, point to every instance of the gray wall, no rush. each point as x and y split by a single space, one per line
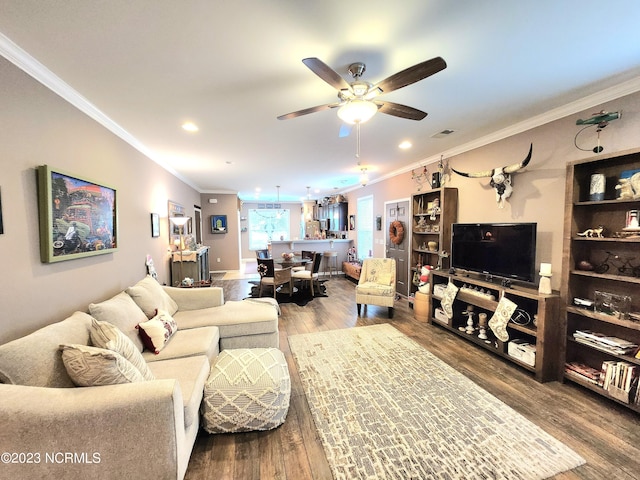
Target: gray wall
538 190
38 127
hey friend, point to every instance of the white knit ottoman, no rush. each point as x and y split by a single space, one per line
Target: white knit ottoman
248 389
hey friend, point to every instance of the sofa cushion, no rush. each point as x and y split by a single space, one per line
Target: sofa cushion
187 343
234 318
157 332
122 312
369 288
105 335
91 366
35 360
150 296
191 373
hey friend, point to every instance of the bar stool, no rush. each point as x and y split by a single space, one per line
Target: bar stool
330 262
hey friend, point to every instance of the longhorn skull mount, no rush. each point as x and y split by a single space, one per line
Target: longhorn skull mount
500 178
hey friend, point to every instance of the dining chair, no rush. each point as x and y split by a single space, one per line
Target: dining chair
307 255
310 275
274 278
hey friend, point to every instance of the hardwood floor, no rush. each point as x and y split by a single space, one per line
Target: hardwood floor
605 434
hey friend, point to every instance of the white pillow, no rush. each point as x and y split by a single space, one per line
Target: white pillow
90 366
155 333
107 336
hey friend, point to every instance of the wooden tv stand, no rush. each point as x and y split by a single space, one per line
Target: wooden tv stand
545 335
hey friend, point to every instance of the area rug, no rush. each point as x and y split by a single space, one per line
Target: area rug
386 408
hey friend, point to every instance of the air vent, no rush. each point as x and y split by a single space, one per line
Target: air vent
443 133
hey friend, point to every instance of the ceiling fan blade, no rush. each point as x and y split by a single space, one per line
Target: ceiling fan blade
411 75
401 111
326 73
307 111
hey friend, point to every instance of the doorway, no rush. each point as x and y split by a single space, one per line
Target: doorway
398 210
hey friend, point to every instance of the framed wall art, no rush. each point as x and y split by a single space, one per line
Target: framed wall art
352 222
78 217
155 225
218 224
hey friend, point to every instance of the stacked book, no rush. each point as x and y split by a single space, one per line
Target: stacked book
583 372
600 341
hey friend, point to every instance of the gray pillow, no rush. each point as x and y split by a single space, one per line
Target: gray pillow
122 312
150 296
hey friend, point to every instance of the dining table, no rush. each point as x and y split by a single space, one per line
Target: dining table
292 262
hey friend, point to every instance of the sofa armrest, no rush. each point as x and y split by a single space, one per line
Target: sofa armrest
196 298
131 430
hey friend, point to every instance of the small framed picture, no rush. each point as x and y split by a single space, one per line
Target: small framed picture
218 224
155 225
352 222
379 222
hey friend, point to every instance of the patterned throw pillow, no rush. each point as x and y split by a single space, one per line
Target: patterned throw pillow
155 333
91 366
107 336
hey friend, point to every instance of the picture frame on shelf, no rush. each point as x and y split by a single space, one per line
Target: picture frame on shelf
218 224
155 225
78 217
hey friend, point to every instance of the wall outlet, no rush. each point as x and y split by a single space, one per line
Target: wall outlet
218 260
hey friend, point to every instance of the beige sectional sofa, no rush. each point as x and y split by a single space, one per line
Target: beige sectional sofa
50 428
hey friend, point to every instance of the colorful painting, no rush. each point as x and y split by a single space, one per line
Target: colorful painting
218 224
78 218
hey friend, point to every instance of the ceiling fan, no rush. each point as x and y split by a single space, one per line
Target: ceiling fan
358 99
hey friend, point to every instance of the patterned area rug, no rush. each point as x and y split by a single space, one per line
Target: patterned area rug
387 408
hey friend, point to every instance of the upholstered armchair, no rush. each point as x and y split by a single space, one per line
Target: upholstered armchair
274 278
310 275
377 284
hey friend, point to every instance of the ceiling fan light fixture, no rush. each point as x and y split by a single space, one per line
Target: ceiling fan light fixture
364 177
357 111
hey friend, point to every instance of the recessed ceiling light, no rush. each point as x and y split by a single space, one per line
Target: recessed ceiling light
405 145
190 127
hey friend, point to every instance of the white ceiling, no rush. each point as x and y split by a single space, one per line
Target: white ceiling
144 67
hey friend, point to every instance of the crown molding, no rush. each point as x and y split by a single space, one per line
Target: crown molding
32 67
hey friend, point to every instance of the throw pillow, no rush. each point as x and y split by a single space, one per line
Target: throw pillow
121 311
107 336
149 296
90 366
155 333
384 278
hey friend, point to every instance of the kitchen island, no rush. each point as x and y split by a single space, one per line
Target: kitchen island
338 245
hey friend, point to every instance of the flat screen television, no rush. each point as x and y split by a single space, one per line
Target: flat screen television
506 250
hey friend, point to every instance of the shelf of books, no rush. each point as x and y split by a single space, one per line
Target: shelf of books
600 278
